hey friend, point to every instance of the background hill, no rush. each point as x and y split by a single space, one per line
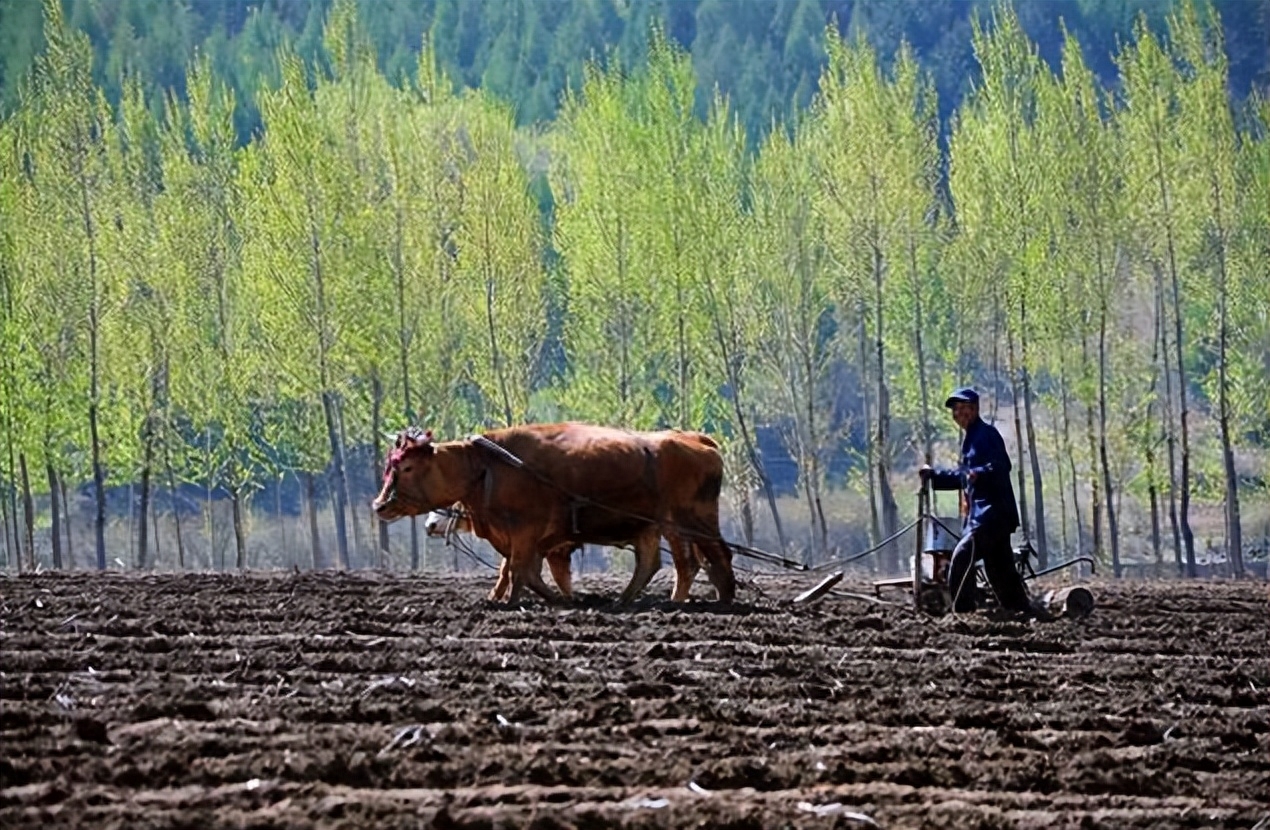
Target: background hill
765 55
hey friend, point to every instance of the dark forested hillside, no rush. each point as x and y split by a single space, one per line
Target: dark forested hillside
766 55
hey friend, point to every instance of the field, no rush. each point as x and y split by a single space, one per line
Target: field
323 700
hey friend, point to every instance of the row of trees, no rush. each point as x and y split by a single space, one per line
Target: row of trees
177 308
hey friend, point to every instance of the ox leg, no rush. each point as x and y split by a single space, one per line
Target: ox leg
561 565
504 581
685 557
529 574
718 559
647 561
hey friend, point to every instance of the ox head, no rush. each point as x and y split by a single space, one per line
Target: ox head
409 477
443 523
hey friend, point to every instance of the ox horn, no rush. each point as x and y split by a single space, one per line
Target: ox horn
415 436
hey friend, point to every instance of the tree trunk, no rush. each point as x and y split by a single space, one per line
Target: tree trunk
12 556
339 491
281 522
875 526
1184 480
66 512
176 507
1234 531
354 509
144 510
996 359
1113 530
310 501
16 547
329 403
28 511
810 497
55 526
215 559
927 432
240 536
405 337
99 483
1062 488
132 521
1015 383
725 335
747 518
1069 450
1033 451
1184 505
1095 523
154 518
756 463
376 431
496 357
1166 420
890 511
94 349
811 448
1152 459
1153 494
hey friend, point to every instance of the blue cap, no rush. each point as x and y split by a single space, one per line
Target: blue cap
963 395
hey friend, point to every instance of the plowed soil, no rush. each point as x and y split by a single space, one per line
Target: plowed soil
351 700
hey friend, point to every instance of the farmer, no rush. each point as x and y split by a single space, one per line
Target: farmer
991 516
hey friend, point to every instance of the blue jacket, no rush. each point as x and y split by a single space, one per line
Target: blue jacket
991 496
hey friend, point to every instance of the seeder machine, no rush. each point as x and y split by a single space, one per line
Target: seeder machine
937 537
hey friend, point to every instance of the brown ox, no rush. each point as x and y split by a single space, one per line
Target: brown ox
551 487
440 524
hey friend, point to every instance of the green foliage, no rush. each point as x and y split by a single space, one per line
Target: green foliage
383 232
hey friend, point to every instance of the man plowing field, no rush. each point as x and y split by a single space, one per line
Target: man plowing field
990 512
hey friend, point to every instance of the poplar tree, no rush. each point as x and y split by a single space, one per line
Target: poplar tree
790 307
998 190
1155 174
213 375
1088 161
138 343
877 181
1209 140
294 258
73 177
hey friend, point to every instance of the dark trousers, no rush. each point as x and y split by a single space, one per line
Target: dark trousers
998 564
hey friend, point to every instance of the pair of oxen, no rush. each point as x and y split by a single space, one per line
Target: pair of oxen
539 491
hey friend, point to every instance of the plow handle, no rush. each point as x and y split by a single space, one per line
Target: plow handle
923 508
